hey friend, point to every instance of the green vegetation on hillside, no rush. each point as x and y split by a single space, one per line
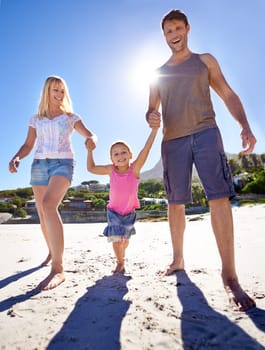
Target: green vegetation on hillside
249 171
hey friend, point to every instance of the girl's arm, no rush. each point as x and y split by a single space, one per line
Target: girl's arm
141 159
91 166
24 150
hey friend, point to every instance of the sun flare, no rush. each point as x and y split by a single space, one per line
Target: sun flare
143 72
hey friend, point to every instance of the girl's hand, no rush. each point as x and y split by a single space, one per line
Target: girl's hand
13 165
154 119
90 143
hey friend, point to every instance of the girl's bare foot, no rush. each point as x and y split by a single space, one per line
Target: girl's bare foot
47 260
52 281
237 297
119 268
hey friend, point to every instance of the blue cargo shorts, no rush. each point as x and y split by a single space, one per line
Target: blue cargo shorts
205 150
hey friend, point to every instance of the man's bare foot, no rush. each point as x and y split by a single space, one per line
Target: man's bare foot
172 268
119 268
52 281
238 299
47 260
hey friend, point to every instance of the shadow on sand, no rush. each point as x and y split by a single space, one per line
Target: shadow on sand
6 281
95 322
10 302
204 328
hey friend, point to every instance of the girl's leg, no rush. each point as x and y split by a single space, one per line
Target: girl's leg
119 250
52 197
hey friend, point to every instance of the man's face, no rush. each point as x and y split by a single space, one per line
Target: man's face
176 34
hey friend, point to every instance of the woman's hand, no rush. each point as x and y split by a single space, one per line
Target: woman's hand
14 164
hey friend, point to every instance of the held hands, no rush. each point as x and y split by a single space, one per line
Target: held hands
248 141
14 164
153 119
90 142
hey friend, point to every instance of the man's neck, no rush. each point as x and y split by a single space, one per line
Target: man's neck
179 56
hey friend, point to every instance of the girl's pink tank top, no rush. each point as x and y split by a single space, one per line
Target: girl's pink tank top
123 196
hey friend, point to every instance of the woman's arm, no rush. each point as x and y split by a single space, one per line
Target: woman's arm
24 150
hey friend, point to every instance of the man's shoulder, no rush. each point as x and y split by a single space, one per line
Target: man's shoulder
206 56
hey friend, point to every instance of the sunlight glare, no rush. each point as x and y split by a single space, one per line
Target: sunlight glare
143 73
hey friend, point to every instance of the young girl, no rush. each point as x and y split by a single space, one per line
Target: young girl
123 199
52 167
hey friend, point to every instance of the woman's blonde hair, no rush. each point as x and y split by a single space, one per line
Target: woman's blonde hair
43 109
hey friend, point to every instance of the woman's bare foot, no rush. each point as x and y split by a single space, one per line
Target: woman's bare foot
119 268
52 281
238 299
47 260
174 267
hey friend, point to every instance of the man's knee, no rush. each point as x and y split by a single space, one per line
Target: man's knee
218 202
176 208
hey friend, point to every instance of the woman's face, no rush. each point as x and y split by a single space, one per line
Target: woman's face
56 94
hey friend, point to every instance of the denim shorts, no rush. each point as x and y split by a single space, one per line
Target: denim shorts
43 169
205 150
119 226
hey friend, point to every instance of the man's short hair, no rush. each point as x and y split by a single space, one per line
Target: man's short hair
174 14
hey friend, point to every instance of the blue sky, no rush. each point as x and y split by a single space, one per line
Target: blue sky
105 51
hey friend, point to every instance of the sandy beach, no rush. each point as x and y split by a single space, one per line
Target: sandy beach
95 310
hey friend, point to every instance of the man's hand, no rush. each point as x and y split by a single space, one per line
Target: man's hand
248 141
154 119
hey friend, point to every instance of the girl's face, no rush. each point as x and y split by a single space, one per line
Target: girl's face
120 156
56 94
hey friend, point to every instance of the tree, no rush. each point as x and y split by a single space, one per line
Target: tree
234 166
151 188
198 195
257 185
99 203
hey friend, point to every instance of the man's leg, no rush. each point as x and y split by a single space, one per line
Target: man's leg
222 224
176 218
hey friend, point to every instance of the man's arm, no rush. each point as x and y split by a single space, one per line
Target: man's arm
231 100
152 115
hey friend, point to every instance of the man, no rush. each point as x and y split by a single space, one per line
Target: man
191 135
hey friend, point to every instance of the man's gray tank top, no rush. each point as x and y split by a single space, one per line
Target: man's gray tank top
185 98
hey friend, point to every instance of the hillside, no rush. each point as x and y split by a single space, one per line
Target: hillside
156 173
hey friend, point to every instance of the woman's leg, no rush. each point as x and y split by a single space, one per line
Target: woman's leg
51 199
39 192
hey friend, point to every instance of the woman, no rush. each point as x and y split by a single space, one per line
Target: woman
52 167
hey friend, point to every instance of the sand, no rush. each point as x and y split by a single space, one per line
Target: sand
95 310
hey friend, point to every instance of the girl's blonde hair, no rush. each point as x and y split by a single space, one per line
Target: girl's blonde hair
43 109
120 142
